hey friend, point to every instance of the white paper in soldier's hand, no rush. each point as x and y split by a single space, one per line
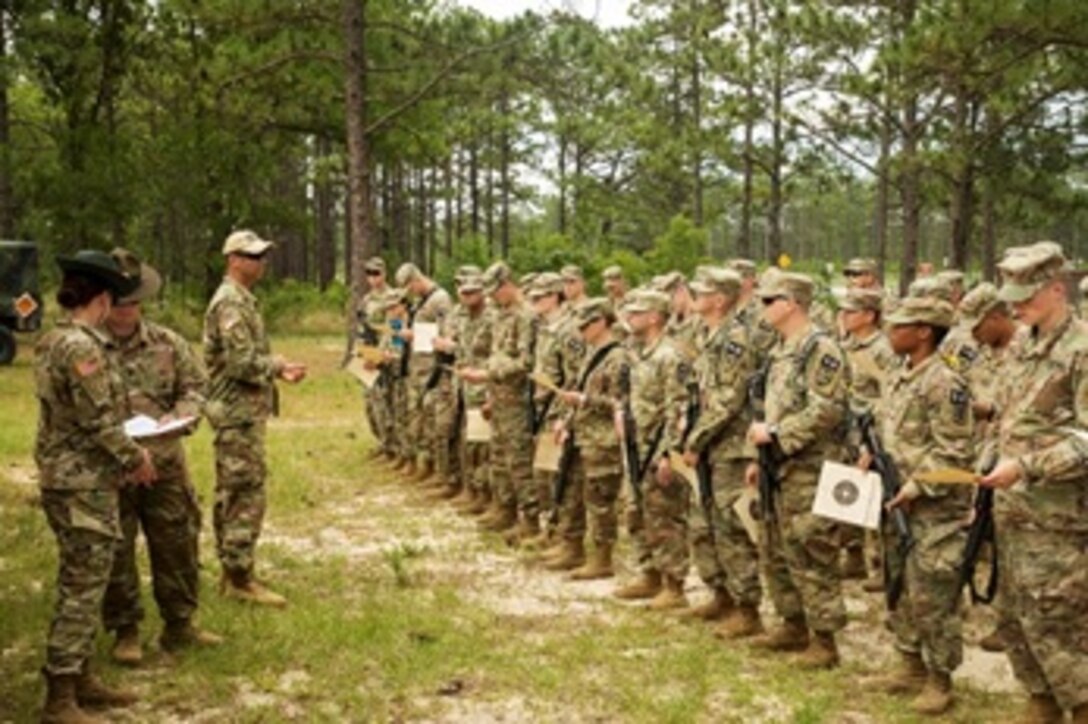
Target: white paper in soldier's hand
848 495
142 426
423 335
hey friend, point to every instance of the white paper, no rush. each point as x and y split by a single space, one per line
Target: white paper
547 453
848 495
423 334
142 426
477 429
743 508
368 377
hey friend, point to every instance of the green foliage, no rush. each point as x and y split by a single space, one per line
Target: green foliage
303 308
681 248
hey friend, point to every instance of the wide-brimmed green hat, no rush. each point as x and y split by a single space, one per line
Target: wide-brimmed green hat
148 280
102 267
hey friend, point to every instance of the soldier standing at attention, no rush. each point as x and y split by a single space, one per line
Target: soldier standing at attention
396 362
369 318
1042 488
242 373
926 424
806 408
84 457
615 287
163 380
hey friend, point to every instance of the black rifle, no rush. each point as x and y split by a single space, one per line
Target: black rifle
702 462
768 460
890 485
979 534
443 363
531 418
630 436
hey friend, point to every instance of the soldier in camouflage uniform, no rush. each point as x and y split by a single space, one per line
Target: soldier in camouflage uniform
430 305
396 363
685 327
726 557
960 350
163 380
659 392
507 377
761 335
368 326
862 273
592 422
926 424
615 287
871 361
241 395
805 409
1083 288
1041 481
83 457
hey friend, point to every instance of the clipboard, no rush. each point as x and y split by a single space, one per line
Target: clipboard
477 429
743 509
676 462
423 335
947 476
359 371
545 382
371 354
547 453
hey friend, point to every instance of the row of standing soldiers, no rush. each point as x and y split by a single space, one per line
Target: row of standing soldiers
753 383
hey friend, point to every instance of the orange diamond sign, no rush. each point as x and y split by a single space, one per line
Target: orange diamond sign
25 305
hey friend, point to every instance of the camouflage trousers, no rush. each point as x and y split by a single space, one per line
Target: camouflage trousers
511 457
85 523
448 426
420 433
659 526
474 460
799 554
599 479
398 409
239 495
728 553
169 515
927 620
376 401
1047 603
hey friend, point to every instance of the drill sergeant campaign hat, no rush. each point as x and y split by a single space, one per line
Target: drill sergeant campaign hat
1026 270
923 310
798 287
715 280
977 303
149 281
246 242
101 267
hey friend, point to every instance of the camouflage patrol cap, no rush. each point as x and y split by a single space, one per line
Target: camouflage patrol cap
496 275
860 265
745 267
525 281
702 270
591 310
394 296
465 271
246 242
862 300
470 283
546 283
668 282
930 288
977 303
922 310
1026 270
798 287
375 263
768 276
407 272
571 272
717 281
612 273
150 281
647 300
950 276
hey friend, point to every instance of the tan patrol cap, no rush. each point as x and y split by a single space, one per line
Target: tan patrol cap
922 310
798 287
647 300
977 303
950 276
591 310
375 263
465 271
717 281
668 282
571 272
407 272
546 283
745 267
526 281
496 275
245 241
470 283
1025 270
860 265
930 288
862 300
612 273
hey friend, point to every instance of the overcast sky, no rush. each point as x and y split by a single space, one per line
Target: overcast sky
607 13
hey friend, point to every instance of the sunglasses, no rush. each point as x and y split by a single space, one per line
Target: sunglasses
254 257
374 272
768 301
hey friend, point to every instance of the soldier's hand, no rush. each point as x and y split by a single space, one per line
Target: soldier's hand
690 458
865 460
751 475
663 472
145 473
1005 475
901 500
571 397
406 334
759 433
443 344
559 432
293 372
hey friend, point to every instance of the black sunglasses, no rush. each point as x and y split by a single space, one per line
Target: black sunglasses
768 301
373 272
254 257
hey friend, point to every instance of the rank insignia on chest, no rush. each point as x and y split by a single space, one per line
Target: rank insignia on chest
683 373
959 399
968 355
733 349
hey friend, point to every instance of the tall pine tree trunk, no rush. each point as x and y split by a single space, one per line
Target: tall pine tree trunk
355 81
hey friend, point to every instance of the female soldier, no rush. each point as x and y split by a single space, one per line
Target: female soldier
83 457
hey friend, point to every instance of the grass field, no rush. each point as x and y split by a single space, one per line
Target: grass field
400 611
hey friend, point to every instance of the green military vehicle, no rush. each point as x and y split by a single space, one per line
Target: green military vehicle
20 296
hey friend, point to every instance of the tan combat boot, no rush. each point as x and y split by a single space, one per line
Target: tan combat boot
528 528
126 648
792 635
424 472
61 706
480 505
853 568
1080 714
873 584
671 595
597 567
242 587
822 653
936 697
742 622
507 517
645 586
92 693
717 608
572 555
908 676
464 499
1042 709
183 634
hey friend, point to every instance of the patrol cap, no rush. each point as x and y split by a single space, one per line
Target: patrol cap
394 296
745 267
467 270
930 288
101 267
496 275
246 242
950 276
471 283
647 300
1026 270
526 280
149 281
546 283
407 272
860 265
668 282
717 281
977 303
612 273
591 310
375 264
922 310
798 287
768 276
862 300
571 272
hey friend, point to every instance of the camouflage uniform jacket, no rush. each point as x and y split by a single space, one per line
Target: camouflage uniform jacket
81 444
807 398
241 369
723 371
926 424
593 423
473 337
431 309
659 395
510 361
1043 422
872 362
687 334
961 352
162 376
548 361
761 335
370 317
